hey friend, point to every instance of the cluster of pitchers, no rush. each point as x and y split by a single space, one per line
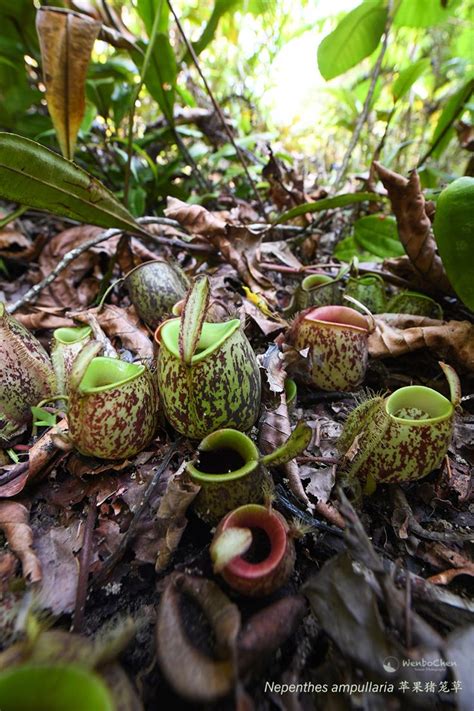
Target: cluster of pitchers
114 406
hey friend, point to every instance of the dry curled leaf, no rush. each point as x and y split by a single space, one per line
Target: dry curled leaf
396 334
192 673
195 218
414 226
66 41
123 324
238 244
56 550
170 517
15 523
267 630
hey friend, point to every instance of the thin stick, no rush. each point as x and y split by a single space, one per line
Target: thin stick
118 554
368 99
217 108
73 254
85 557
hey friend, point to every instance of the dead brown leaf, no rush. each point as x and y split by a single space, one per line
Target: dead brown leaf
56 550
14 244
396 334
238 244
44 317
414 226
66 42
120 323
14 522
195 218
170 517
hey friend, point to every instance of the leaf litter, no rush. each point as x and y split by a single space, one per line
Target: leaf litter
389 578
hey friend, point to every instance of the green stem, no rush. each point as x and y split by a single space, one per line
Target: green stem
13 216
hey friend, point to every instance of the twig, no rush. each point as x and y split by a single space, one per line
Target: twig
368 100
417 529
85 557
73 254
118 554
217 108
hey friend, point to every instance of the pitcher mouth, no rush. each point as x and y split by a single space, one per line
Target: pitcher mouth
258 520
104 373
225 439
341 316
213 335
314 281
69 336
432 406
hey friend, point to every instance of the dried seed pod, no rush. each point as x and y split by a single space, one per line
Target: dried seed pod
369 290
220 387
337 341
66 345
154 288
269 561
113 406
26 376
399 438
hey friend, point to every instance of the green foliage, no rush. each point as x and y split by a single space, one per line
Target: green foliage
453 107
420 13
328 204
407 77
375 238
33 175
355 37
454 232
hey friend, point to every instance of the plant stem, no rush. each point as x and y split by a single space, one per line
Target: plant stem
12 216
368 100
218 110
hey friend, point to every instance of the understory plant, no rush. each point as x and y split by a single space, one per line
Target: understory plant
208 374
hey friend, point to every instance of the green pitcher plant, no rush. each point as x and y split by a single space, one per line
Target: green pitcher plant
66 345
317 290
334 342
231 471
154 288
208 374
113 405
26 376
53 687
253 550
402 437
369 289
412 302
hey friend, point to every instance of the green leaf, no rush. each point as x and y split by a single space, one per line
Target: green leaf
161 73
31 174
453 107
294 445
423 13
347 249
192 319
328 204
407 77
219 9
147 9
378 234
355 37
43 418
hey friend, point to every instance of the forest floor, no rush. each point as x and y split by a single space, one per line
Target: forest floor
387 575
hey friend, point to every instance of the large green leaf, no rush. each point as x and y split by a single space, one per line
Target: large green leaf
378 235
407 77
355 37
147 10
31 174
328 204
219 9
453 107
423 13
